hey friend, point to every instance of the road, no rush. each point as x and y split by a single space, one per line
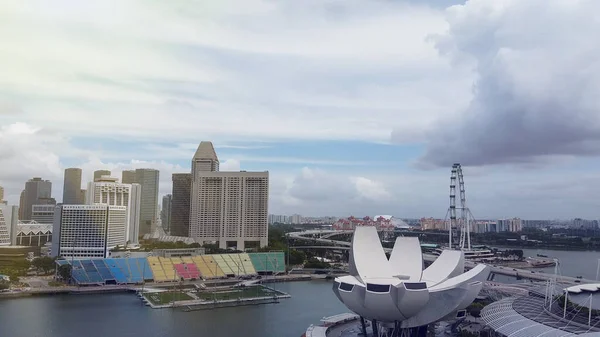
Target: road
508 271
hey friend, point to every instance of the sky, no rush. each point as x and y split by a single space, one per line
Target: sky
355 107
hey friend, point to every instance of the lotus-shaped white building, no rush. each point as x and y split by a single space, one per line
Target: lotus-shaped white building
397 294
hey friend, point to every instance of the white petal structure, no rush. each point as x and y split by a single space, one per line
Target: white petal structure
398 289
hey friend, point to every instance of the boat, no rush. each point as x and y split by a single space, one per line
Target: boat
542 255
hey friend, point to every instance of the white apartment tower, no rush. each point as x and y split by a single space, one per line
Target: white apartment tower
88 231
227 207
110 192
7 221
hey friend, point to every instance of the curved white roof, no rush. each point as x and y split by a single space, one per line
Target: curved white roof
368 256
406 259
399 289
450 263
590 287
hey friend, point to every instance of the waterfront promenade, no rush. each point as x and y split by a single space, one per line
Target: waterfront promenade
46 290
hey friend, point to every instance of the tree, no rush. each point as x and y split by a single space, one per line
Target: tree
297 257
45 264
64 272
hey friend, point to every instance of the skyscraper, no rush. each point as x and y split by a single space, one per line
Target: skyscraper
228 207
37 192
72 187
9 217
111 192
43 214
128 177
99 173
6 223
148 180
205 159
82 194
180 204
165 213
88 231
1 194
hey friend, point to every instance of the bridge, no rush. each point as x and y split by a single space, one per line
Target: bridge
508 271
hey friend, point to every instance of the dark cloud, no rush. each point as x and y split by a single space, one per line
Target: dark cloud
537 88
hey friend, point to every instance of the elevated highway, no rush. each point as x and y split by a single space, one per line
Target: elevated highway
308 236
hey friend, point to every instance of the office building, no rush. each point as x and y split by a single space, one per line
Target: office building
165 212
2 195
99 173
37 192
72 187
230 208
128 177
8 224
43 214
82 196
205 159
88 231
109 191
180 204
148 180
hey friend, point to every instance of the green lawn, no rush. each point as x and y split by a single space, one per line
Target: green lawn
233 294
208 295
167 297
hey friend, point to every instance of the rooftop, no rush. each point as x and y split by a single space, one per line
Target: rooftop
206 150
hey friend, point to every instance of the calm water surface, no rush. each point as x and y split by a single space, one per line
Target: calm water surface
117 315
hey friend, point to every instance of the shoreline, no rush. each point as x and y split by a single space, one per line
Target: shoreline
108 289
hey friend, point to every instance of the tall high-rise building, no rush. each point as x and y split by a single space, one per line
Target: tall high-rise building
99 173
113 193
8 222
128 177
37 192
227 207
180 204
43 214
1 194
205 159
148 180
21 204
165 212
88 231
72 187
82 195
9 217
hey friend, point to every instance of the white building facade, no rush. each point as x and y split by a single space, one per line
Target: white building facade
117 194
230 208
9 216
88 231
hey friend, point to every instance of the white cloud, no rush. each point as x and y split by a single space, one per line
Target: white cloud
25 152
238 69
230 165
239 72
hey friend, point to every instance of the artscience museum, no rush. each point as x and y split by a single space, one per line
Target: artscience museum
396 295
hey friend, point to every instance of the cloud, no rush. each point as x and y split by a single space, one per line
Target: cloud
322 192
538 80
230 165
233 70
25 152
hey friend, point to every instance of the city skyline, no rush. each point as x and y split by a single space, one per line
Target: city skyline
355 107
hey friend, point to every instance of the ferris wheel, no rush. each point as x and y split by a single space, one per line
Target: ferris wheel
459 229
